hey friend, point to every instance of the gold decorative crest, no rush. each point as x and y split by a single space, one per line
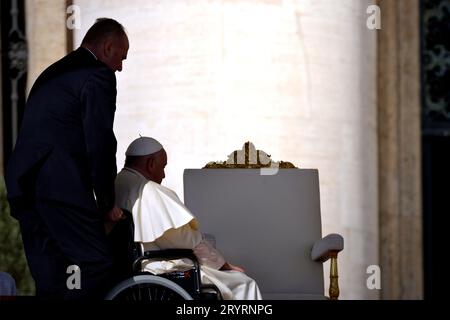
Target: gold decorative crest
249 158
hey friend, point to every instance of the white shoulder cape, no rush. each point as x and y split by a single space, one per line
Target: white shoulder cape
156 210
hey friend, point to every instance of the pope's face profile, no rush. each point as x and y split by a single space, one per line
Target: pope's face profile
156 167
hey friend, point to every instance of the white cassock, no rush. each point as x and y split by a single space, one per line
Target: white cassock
162 221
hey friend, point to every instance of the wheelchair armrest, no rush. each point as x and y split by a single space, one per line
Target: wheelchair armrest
170 254
327 247
167 254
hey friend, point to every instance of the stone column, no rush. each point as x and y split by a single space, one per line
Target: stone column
399 150
46 35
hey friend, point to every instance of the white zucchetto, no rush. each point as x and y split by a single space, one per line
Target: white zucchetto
143 146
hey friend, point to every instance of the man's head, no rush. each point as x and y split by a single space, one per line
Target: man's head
108 40
148 157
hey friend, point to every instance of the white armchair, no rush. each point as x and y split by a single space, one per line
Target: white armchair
270 224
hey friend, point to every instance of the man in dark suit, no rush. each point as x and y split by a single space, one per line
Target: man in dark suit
60 178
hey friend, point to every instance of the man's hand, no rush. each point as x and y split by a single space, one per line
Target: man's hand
115 215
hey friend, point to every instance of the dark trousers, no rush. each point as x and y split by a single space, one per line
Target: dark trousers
55 236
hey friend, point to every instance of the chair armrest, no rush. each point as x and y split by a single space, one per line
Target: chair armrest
326 247
166 254
170 254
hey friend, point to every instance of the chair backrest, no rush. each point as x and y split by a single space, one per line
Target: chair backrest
265 223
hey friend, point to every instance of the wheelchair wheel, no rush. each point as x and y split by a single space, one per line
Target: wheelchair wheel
147 288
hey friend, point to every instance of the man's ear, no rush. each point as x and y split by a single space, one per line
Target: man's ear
107 48
150 163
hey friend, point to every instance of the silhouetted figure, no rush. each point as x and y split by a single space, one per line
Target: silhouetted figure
60 178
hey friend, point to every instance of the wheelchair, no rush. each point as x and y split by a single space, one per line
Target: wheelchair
141 285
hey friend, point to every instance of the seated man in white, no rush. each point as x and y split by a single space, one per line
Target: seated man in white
162 221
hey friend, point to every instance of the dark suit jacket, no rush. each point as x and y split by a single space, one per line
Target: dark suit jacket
66 149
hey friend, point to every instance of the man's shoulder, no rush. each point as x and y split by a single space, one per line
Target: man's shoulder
127 181
154 189
162 190
77 62
152 185
74 70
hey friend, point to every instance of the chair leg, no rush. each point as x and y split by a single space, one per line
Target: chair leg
334 284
